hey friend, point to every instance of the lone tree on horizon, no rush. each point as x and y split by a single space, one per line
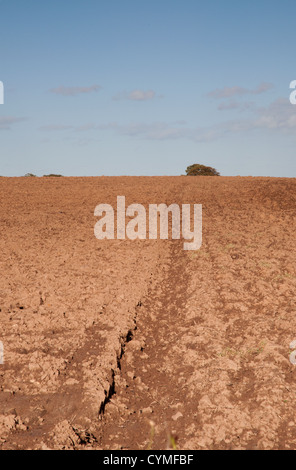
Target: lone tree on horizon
201 170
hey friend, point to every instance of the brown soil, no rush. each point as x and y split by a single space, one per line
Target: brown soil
139 344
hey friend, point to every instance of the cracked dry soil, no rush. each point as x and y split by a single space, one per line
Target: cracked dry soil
139 344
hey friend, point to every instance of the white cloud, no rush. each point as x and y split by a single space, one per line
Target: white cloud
140 95
56 127
73 91
135 95
279 116
151 131
229 92
226 105
7 121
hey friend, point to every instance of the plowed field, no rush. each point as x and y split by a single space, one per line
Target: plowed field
139 344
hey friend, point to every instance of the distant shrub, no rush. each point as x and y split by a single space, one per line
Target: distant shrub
29 174
201 170
52 175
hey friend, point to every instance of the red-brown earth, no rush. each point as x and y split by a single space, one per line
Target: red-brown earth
121 344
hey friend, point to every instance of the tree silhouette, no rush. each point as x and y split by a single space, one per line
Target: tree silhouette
201 170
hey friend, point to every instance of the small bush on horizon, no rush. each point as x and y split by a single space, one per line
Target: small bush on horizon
29 175
52 175
201 170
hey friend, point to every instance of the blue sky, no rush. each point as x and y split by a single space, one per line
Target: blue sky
126 87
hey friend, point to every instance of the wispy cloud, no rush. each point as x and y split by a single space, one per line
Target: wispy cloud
68 127
73 91
7 121
227 105
135 95
140 95
150 131
56 127
279 116
229 92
